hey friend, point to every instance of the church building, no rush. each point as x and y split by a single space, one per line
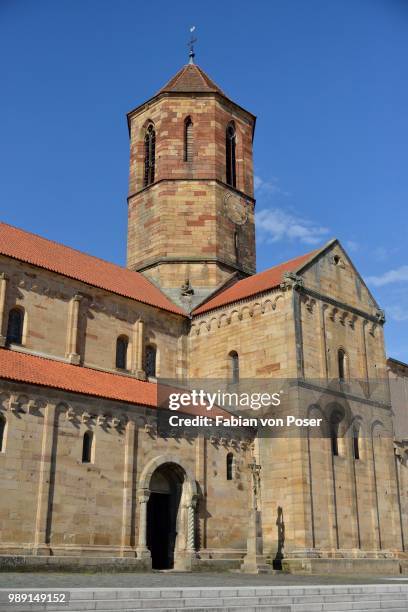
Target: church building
87 477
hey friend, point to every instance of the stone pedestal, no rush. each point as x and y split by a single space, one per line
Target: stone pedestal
254 561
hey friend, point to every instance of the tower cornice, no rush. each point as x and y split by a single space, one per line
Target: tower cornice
192 180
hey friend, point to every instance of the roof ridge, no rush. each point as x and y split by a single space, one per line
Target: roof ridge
61 244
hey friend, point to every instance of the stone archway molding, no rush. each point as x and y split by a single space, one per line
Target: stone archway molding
190 497
155 463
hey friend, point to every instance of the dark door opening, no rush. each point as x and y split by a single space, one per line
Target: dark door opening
162 509
159 530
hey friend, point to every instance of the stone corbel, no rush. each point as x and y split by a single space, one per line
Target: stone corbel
310 304
70 414
352 321
343 317
150 429
101 420
372 329
291 280
34 406
14 405
115 422
380 316
401 454
86 417
333 313
214 440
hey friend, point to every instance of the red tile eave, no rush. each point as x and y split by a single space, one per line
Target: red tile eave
254 285
30 369
48 373
43 253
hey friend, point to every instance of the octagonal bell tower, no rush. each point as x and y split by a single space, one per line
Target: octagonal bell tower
191 195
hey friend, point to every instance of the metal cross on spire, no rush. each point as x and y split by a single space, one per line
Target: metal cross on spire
191 42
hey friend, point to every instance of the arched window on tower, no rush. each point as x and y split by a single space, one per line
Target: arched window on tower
188 140
341 356
3 424
122 344
87 447
230 463
234 367
150 361
230 143
149 155
15 326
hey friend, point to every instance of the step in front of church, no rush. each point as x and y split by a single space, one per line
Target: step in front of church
359 598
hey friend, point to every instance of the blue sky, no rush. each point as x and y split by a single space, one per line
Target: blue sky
327 81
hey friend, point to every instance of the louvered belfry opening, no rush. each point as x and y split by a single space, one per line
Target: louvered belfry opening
188 140
149 155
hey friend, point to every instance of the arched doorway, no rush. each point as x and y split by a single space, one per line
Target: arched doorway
166 485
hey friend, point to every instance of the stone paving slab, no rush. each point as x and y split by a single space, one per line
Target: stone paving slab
164 580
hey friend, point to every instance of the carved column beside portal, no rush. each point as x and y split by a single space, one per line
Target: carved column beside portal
3 294
72 333
41 537
191 524
142 551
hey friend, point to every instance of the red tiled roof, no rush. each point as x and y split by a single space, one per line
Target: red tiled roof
247 287
27 368
56 257
30 369
191 78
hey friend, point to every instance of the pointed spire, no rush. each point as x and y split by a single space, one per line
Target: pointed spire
192 40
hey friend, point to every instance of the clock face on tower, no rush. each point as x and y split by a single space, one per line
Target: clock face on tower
236 208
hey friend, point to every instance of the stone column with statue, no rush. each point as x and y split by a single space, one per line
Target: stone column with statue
254 561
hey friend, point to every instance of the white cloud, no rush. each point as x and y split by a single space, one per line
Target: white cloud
269 187
352 245
392 276
398 313
276 224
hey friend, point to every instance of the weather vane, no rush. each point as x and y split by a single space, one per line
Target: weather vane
191 45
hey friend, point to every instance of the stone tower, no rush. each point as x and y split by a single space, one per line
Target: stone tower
191 204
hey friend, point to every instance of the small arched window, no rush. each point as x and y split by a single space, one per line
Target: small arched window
150 361
15 326
2 433
149 155
341 356
230 144
188 140
87 444
234 366
121 352
230 463
334 432
356 442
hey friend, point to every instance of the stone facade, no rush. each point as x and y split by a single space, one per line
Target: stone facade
91 476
